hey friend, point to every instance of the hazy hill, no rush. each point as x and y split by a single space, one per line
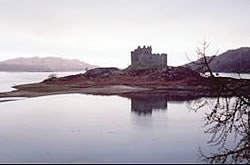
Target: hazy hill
49 64
237 60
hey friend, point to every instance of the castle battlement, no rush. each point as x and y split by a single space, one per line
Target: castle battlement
144 57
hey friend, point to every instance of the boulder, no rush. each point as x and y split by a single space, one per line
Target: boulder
104 72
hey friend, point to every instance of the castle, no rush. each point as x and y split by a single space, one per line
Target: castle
144 57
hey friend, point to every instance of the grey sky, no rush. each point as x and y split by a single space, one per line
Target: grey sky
103 32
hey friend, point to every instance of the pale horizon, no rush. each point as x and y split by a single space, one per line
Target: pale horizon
104 33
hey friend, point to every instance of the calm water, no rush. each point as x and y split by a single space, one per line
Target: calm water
9 79
90 129
234 75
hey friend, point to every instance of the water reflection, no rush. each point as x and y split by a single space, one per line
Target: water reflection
227 122
230 116
83 128
228 125
145 105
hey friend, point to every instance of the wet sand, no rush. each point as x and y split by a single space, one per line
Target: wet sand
36 90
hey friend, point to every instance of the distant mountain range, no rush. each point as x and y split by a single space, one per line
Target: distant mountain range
48 64
232 61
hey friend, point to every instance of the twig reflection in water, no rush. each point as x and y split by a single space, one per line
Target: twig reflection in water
227 117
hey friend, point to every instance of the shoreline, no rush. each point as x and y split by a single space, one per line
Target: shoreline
171 82
36 90
39 90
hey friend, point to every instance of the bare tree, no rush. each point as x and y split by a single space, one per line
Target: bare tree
202 54
229 113
202 64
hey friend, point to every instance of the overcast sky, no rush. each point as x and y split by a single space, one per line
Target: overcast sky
104 32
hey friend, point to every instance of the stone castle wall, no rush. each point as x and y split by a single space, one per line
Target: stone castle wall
144 57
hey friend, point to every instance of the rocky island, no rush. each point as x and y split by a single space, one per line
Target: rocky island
148 74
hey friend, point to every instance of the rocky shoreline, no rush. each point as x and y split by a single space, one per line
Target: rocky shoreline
177 82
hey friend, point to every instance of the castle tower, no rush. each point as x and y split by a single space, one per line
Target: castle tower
143 57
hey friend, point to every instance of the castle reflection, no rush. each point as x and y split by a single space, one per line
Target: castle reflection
145 105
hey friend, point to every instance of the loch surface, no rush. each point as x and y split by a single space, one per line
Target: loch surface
76 128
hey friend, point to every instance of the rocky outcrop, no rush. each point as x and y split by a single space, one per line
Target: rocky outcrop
174 82
104 72
167 76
